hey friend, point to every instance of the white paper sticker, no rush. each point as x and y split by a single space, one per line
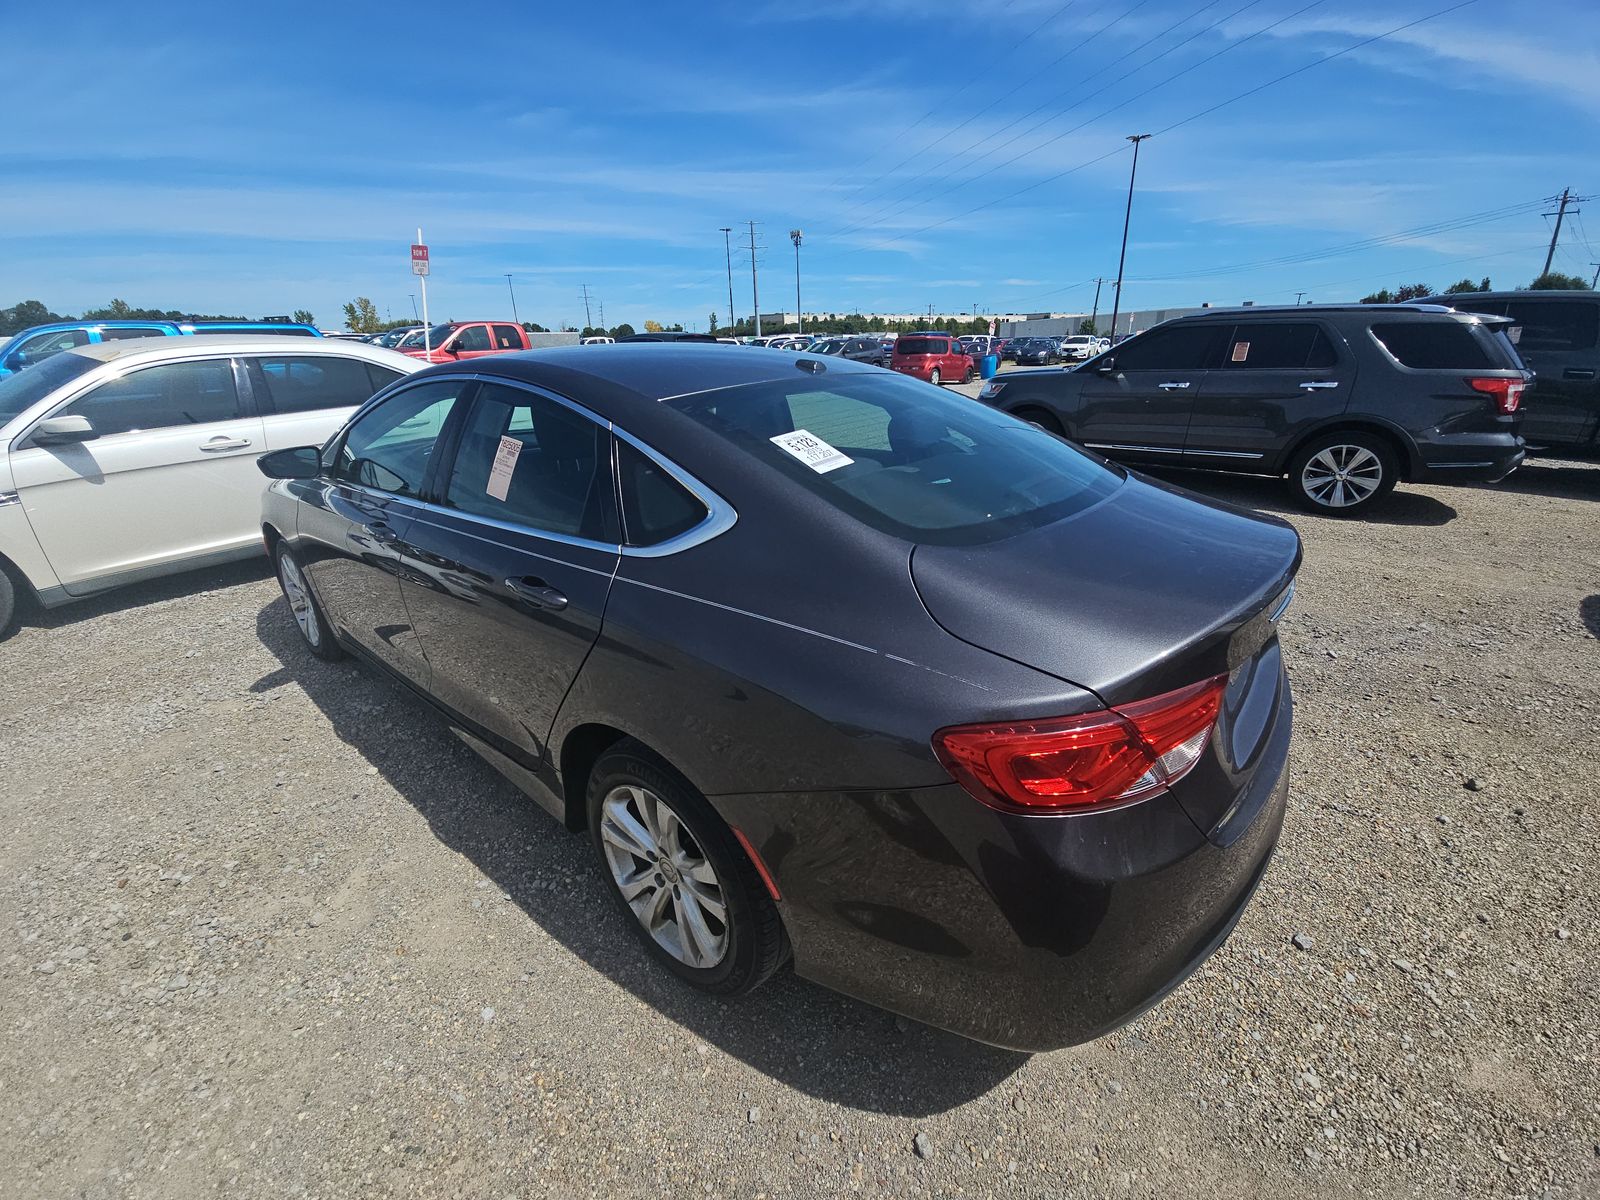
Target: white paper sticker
1241 351
811 450
505 462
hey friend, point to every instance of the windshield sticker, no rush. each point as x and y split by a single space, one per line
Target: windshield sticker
1241 351
505 462
811 450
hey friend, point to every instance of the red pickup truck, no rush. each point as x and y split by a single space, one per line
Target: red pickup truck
456 340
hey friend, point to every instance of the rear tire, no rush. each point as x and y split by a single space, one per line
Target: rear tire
967 375
680 879
1343 474
933 377
303 607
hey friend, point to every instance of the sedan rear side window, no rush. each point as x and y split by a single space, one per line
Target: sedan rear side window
182 393
655 506
530 461
388 449
310 383
923 467
1442 345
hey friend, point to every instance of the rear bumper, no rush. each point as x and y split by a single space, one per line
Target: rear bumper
1483 458
1026 932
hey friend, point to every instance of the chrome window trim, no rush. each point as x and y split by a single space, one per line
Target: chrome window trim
549 535
720 515
1225 453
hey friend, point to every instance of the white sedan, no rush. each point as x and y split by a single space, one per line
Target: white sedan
126 460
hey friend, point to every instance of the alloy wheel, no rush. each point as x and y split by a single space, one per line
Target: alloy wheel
934 377
294 589
664 876
1341 476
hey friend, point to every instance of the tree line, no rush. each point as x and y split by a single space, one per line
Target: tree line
29 313
1550 281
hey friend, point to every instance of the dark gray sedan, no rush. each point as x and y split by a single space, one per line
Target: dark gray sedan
832 666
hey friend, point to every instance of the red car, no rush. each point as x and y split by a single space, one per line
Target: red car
456 340
933 357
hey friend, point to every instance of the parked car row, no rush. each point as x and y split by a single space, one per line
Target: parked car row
33 346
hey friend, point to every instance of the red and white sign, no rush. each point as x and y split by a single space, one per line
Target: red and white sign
419 260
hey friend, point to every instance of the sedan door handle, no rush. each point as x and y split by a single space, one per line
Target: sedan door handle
1167 387
223 442
1320 385
1578 373
383 534
536 592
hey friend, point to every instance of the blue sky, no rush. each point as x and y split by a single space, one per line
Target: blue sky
260 158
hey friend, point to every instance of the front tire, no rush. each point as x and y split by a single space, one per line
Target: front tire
933 377
1044 420
680 879
303 606
1343 474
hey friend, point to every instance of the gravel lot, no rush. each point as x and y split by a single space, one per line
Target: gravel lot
271 931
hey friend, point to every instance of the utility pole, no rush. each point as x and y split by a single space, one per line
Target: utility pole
1595 282
755 295
513 292
727 250
602 305
413 298
588 321
1297 298
799 314
1094 318
1566 199
1127 218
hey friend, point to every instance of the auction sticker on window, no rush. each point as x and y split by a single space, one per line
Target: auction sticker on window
505 462
811 450
1241 351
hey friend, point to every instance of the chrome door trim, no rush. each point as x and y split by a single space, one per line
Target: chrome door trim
1139 449
1167 387
7 498
1227 453
1320 385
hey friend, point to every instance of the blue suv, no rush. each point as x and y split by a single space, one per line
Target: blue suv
39 343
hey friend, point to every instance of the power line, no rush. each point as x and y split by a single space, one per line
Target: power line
1083 124
1213 108
993 150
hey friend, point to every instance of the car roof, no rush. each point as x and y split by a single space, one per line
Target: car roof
1534 294
233 343
634 374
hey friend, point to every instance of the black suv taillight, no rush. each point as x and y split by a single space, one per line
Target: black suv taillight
1507 393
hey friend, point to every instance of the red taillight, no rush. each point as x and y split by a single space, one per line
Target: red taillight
1507 393
1067 763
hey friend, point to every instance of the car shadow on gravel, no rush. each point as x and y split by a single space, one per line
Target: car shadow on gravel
1401 507
1589 610
802 1035
1564 478
155 591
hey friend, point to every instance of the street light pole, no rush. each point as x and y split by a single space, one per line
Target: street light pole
414 312
1127 217
513 292
794 236
727 250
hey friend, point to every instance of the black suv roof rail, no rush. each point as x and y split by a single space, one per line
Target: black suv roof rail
1276 309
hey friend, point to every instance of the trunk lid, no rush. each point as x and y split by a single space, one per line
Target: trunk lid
1147 591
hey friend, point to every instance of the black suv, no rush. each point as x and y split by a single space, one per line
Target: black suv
1558 336
1345 401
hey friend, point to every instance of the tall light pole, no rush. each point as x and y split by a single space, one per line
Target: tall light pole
799 314
755 295
513 292
727 250
1127 217
413 298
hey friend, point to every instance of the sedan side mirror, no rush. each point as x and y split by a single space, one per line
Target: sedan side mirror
1106 366
63 431
298 462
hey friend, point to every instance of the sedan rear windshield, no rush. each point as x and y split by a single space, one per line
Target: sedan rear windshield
26 388
898 456
921 345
